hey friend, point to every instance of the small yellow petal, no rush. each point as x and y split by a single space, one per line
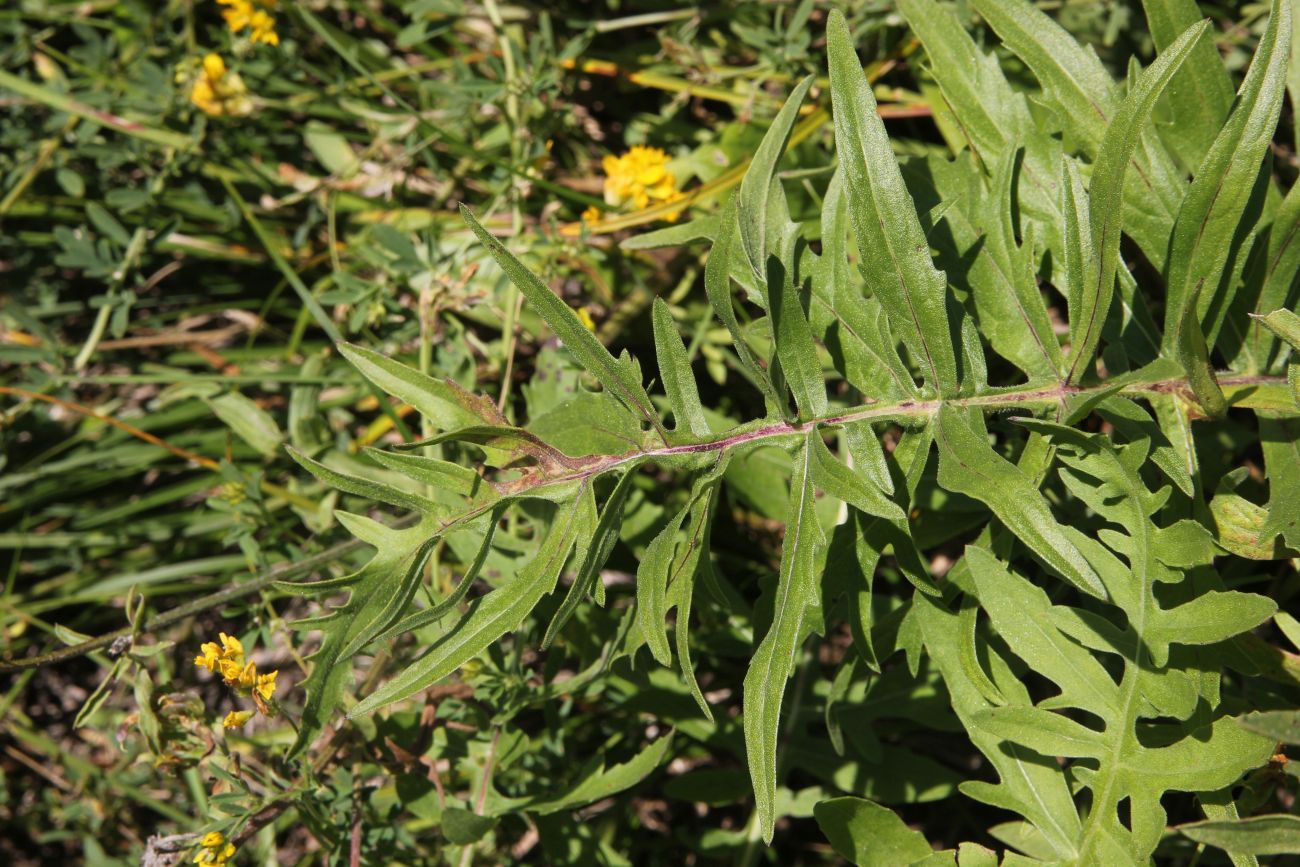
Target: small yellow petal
266 684
585 318
231 646
236 718
213 66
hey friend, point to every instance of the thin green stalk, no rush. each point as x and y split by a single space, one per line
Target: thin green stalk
647 18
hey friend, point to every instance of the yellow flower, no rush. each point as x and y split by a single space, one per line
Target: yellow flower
584 316
236 718
245 15
226 658
266 685
218 91
209 658
246 678
231 646
640 177
214 850
592 215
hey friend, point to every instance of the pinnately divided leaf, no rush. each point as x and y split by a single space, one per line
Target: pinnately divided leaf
894 252
800 362
968 465
490 616
756 186
774 659
1215 220
675 371
1200 95
378 595
1107 198
1077 87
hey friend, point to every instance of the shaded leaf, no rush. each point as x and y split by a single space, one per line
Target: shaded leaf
1106 198
774 660
893 249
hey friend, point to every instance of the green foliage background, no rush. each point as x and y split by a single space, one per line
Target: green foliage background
926 494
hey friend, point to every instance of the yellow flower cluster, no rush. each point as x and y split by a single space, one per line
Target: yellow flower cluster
251 15
640 177
214 850
227 659
218 91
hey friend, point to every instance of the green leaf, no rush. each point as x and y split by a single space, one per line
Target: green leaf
602 545
1284 324
1213 617
1240 528
462 827
1024 616
756 186
800 363
1200 96
840 482
976 244
1043 731
968 465
994 118
675 371
1194 356
589 351
365 487
1027 786
107 224
1106 198
438 474
452 600
652 577
1213 220
868 834
852 326
692 560
894 252
717 285
1282 726
599 782
666 565
513 442
250 422
1280 438
700 229
774 660
444 403
1281 265
1072 77
378 594
490 616
1085 100
1258 835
